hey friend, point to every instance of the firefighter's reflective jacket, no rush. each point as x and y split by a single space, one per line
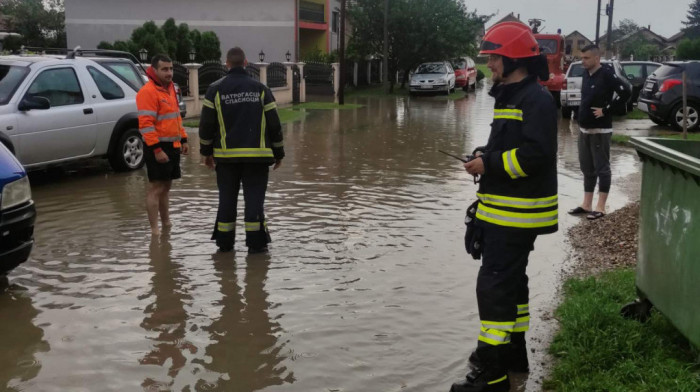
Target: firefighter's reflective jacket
239 121
519 188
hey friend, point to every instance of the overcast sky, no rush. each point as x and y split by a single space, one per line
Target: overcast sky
664 16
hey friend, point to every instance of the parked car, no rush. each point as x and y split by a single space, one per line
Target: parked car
662 95
571 94
17 213
56 109
433 77
637 73
465 73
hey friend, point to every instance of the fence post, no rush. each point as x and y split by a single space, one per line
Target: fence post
355 71
193 69
302 83
290 75
369 72
336 78
263 72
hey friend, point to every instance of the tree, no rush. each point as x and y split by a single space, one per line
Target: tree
419 31
692 24
209 47
40 22
640 48
688 49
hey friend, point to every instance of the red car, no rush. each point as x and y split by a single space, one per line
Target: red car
465 73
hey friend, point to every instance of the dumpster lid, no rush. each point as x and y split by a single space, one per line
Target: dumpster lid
682 154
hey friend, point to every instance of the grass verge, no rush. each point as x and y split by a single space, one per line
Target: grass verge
326 106
624 139
598 350
483 68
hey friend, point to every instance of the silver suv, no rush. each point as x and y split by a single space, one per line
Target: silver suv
55 109
571 93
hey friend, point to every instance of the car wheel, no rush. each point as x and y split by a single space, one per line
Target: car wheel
693 117
128 154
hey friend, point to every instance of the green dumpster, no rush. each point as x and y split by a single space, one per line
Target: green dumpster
668 264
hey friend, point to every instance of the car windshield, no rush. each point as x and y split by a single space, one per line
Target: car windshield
431 69
575 71
10 78
547 46
126 72
460 64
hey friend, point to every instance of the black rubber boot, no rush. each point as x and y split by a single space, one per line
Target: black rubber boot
516 358
491 377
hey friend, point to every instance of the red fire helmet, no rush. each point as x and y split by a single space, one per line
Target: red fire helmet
510 39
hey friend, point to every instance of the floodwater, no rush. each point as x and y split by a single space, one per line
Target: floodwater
366 287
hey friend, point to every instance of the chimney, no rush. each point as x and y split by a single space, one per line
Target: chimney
649 27
518 16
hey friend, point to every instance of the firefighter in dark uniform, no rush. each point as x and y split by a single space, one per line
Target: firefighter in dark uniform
517 201
240 136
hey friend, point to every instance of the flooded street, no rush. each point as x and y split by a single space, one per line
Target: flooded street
367 286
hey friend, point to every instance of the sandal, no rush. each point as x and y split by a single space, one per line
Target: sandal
579 210
595 215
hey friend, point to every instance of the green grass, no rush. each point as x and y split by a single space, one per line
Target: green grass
290 115
326 106
485 70
374 91
598 350
624 139
191 123
637 114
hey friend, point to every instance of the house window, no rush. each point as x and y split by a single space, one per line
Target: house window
335 22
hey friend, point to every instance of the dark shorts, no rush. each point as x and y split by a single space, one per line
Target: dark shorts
163 171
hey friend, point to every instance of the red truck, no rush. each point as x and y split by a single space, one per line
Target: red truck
552 45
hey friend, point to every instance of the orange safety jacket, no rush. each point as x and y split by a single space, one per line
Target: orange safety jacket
159 114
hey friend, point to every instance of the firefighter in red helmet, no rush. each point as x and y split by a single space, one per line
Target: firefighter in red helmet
517 201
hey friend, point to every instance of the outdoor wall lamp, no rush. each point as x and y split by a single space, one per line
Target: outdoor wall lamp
289 56
143 55
192 54
261 56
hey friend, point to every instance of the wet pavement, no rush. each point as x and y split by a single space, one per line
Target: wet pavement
366 287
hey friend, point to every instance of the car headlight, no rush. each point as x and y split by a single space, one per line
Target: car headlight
16 193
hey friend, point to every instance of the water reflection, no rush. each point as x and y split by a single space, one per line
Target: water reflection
166 317
244 353
20 340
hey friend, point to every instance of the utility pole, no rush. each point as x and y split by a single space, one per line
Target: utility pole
608 45
341 88
597 24
385 63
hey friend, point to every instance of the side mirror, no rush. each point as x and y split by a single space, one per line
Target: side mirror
34 103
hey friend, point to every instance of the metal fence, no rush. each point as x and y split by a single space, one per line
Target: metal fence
181 76
276 75
253 71
319 78
210 72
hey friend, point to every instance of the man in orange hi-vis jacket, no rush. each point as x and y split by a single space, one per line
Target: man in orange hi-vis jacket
160 125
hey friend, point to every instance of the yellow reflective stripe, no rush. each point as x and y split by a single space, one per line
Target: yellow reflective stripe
508 114
222 124
499 325
517 164
270 106
522 324
278 144
522 309
205 142
243 153
226 226
262 122
252 226
518 202
208 103
525 220
494 337
498 380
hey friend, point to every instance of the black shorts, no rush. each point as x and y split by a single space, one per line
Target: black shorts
163 171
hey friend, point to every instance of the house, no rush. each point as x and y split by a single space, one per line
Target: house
574 43
271 26
666 47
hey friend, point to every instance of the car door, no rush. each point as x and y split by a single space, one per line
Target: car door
66 129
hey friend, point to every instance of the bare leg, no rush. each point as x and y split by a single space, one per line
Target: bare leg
164 205
152 201
602 200
588 201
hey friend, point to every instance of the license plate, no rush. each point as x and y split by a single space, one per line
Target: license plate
574 103
643 107
426 86
649 86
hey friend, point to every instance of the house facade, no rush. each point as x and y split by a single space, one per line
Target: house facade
574 43
273 26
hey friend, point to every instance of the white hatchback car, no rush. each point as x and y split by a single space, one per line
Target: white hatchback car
433 77
56 109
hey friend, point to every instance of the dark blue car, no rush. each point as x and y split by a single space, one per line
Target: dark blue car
17 213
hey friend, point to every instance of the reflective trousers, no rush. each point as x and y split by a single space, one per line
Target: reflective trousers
501 288
253 177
